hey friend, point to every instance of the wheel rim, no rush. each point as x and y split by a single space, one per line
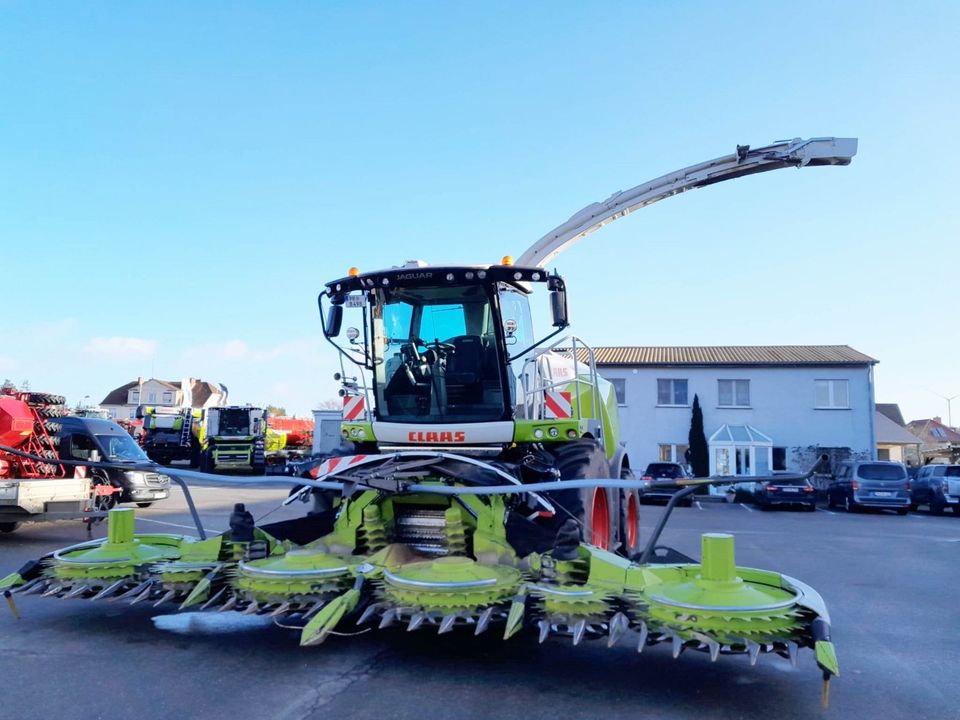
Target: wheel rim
600 520
633 525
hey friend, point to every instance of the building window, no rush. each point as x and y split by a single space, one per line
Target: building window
831 394
672 391
779 458
168 398
938 432
676 453
883 453
620 387
151 397
733 393
133 413
134 397
113 413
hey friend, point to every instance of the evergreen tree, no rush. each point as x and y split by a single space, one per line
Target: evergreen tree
697 440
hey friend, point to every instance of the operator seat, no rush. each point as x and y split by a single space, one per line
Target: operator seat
464 372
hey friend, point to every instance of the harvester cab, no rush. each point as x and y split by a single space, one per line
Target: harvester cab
456 366
232 439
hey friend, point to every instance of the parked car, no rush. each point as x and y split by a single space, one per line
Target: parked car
87 438
660 482
937 486
787 492
870 484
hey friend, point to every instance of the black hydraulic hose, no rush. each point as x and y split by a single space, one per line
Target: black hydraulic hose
688 486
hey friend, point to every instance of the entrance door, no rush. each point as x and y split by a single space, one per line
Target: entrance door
743 461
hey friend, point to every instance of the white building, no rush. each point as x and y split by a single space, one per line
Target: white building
121 403
764 408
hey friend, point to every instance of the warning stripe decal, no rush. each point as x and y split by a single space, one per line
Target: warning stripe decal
559 404
353 407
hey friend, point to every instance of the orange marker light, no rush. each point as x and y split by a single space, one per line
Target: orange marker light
507 260
353 272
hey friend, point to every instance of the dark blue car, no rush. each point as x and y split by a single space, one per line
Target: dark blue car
938 487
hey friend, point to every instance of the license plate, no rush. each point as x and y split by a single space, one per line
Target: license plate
882 493
791 490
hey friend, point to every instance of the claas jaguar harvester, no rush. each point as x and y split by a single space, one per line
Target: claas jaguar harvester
481 487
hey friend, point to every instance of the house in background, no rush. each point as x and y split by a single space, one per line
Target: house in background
940 443
121 403
894 441
765 408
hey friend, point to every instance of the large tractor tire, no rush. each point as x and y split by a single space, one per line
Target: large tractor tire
595 508
629 517
206 462
51 411
40 399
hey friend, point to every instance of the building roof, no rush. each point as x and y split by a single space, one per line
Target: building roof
892 411
733 355
890 433
934 432
201 391
118 396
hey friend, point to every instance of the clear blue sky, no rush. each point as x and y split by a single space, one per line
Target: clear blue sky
178 179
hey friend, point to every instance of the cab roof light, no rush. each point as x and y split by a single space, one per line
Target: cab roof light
507 260
353 272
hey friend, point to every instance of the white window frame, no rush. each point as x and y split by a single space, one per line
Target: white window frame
167 397
733 392
623 381
675 455
672 392
134 397
831 394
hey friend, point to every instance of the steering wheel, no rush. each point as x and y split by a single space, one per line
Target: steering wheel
440 346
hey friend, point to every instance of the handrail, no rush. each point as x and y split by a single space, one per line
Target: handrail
534 397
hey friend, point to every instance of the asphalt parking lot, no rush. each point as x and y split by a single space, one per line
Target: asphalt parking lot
890 583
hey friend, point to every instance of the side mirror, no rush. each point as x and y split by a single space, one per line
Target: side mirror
334 320
558 308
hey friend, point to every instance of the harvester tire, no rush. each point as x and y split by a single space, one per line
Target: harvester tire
52 428
9 527
51 411
629 517
595 508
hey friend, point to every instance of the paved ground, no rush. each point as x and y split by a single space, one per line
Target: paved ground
890 583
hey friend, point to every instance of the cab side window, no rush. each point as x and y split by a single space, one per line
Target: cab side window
81 447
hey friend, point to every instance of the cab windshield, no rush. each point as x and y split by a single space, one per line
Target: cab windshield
435 355
234 423
121 448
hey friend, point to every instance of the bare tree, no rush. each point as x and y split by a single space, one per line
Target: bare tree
329 404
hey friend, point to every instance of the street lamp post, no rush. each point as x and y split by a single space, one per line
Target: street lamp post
949 401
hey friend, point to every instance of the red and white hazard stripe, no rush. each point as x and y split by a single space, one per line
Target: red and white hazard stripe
558 404
80 471
332 465
353 407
